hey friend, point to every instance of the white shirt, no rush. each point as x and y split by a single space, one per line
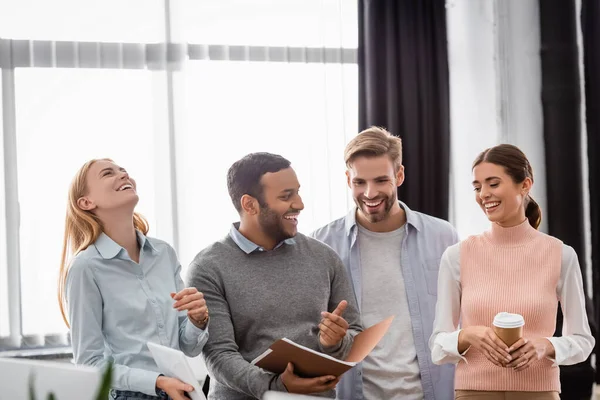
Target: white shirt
575 344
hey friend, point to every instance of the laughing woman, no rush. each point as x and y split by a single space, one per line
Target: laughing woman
121 289
514 268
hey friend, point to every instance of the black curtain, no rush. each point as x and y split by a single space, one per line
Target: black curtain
590 23
403 86
561 98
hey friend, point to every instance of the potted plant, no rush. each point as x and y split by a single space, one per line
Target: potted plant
103 390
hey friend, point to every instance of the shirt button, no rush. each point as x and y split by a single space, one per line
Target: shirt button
140 277
160 325
152 301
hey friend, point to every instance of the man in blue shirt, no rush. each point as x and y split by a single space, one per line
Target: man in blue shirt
392 255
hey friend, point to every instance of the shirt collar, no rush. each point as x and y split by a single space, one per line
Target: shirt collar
411 218
109 249
249 246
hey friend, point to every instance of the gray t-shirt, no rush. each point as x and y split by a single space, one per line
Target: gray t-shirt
255 299
391 371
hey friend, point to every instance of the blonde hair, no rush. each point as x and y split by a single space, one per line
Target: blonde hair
82 228
373 142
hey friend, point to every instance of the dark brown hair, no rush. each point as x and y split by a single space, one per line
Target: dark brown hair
517 166
245 174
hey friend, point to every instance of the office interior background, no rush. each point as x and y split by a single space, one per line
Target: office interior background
177 90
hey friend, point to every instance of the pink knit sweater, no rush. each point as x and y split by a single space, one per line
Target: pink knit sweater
514 270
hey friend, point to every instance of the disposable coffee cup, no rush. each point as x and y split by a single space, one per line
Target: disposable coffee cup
509 327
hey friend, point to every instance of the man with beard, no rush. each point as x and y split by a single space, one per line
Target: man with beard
392 255
265 281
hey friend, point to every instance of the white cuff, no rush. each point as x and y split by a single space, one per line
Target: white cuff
559 351
446 347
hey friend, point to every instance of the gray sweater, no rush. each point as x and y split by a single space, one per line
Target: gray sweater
255 299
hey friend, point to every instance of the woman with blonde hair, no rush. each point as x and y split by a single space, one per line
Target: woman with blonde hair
121 289
511 268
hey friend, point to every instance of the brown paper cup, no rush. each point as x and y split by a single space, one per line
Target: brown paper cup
509 335
508 327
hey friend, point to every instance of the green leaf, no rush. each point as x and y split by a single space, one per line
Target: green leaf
104 390
31 387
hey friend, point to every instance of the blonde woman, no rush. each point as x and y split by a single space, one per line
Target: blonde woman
121 289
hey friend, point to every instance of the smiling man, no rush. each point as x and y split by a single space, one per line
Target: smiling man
393 255
265 281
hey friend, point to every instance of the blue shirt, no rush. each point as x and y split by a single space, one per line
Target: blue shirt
425 240
249 246
116 305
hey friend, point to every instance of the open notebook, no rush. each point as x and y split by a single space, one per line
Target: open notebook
174 363
310 363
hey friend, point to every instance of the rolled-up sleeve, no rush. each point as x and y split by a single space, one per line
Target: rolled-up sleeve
191 338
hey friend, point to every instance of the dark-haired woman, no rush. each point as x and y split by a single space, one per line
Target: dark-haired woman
510 268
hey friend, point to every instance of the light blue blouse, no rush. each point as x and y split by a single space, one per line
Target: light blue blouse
116 305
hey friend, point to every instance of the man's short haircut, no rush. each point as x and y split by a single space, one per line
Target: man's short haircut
245 174
374 142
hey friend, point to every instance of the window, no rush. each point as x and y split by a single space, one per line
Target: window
64 118
4 311
235 108
296 23
84 21
90 80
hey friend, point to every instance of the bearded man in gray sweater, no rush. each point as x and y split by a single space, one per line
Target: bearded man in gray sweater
265 281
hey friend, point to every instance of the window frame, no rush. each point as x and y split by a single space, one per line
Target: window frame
166 59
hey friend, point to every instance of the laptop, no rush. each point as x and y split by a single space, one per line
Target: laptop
65 380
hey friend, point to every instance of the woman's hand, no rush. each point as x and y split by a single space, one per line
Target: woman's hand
192 300
486 341
174 387
525 350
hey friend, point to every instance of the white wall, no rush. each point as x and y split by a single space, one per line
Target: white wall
495 94
495 97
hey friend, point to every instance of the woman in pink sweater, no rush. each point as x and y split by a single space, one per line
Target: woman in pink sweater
510 268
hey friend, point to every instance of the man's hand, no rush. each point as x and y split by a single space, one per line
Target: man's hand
333 327
174 387
524 351
192 300
295 384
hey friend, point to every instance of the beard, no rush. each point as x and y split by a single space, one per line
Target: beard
388 202
272 224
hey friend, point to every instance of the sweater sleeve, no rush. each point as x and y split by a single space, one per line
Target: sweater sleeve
221 352
341 289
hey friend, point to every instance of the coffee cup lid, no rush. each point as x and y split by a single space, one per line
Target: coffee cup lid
508 320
